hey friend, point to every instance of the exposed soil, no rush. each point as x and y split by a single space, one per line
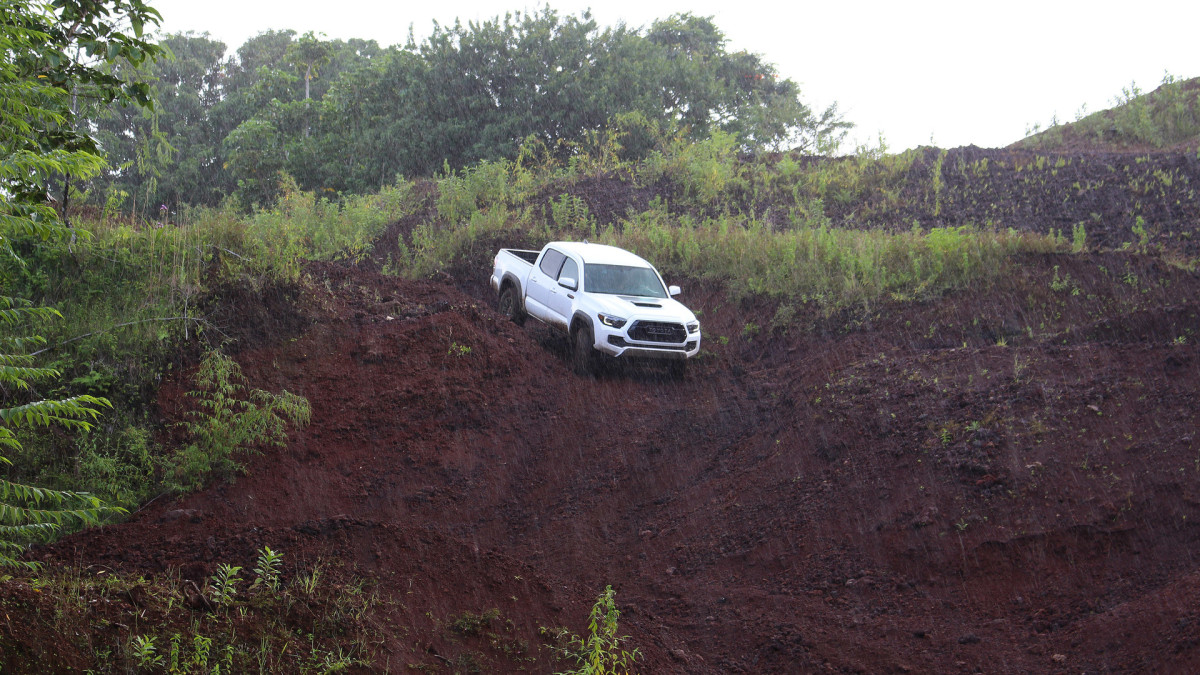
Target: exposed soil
1005 479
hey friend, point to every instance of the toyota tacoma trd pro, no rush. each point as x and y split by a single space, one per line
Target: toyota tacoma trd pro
609 302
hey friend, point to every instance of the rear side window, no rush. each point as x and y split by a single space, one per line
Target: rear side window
570 270
552 262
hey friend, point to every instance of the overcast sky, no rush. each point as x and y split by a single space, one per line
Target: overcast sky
919 73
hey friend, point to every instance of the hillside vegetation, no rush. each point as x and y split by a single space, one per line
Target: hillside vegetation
1168 117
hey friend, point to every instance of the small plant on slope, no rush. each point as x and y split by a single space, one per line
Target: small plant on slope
267 570
223 586
600 653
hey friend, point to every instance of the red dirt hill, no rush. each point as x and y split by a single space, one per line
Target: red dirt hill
1000 480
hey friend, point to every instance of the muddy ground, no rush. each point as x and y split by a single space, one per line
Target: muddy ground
1002 480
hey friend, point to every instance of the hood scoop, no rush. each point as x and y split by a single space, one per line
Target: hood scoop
648 304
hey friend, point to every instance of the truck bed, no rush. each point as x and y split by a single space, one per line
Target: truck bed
528 256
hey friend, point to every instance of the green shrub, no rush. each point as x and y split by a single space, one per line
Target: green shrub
230 419
701 169
120 465
461 194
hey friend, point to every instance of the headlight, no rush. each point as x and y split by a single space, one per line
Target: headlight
611 321
694 327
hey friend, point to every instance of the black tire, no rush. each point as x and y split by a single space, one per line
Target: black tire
510 305
583 356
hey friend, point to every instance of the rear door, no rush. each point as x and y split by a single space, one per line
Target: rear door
542 280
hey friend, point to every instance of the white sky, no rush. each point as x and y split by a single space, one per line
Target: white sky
920 72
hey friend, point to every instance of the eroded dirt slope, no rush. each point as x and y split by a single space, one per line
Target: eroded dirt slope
999 482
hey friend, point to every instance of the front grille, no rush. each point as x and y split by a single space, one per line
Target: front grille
657 331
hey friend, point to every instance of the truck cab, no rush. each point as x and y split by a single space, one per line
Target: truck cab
609 301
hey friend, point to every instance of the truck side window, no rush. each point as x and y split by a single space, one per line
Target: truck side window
570 270
552 262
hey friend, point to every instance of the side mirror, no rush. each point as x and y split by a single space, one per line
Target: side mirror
674 290
568 283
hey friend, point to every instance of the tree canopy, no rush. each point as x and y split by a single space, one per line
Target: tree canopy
349 116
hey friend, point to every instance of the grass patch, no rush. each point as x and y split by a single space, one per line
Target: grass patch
236 621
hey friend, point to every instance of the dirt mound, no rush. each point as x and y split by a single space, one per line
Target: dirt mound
999 482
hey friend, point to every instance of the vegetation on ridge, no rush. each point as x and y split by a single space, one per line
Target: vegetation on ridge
1166 117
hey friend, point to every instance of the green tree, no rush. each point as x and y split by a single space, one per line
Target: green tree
371 125
75 41
705 88
478 91
308 54
468 92
254 152
171 154
50 55
27 512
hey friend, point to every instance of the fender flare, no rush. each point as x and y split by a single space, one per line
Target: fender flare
510 279
580 317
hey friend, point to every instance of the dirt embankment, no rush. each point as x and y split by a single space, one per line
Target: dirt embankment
995 481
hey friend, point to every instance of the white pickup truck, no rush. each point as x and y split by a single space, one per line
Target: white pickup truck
606 299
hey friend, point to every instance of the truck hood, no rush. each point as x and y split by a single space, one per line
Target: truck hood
633 307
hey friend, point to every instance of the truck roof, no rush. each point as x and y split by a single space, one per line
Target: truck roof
601 254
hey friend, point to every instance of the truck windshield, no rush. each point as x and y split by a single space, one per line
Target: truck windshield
623 280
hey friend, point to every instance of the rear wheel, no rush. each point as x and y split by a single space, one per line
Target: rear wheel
510 306
583 355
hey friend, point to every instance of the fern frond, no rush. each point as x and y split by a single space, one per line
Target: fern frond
10 534
15 359
25 505
19 376
75 412
29 494
21 343
13 310
19 515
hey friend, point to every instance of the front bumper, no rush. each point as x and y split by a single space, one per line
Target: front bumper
634 341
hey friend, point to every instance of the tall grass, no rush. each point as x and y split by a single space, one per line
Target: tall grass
303 226
831 267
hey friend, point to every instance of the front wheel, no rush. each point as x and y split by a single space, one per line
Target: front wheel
510 307
583 356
